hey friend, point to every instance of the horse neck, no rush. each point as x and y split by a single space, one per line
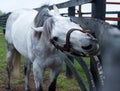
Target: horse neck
45 42
97 26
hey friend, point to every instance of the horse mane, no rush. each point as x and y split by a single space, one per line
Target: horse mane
42 16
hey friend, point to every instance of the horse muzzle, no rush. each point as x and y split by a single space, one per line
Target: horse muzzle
68 48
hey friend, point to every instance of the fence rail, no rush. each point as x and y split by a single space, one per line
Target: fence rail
106 12
3 20
72 3
116 3
112 19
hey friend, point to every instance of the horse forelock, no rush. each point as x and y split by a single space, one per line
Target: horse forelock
41 17
48 27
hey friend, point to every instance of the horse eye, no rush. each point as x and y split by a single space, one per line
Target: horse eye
55 38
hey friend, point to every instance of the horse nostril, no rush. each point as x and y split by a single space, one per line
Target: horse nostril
55 38
87 47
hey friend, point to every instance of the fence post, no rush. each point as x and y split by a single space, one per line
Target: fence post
71 12
119 21
98 11
80 11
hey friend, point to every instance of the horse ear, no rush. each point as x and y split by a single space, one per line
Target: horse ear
37 32
38 29
56 10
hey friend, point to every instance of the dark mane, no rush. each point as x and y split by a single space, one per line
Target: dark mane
40 19
41 16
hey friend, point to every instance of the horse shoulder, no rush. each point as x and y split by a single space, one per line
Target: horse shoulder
17 19
30 45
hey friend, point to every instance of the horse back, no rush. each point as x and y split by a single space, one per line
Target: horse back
18 20
19 29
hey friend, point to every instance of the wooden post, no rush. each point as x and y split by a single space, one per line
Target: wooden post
119 21
71 12
80 11
99 9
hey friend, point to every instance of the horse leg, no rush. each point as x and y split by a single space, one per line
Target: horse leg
27 74
53 78
38 72
10 54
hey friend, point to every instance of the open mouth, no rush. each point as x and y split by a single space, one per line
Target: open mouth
94 50
87 47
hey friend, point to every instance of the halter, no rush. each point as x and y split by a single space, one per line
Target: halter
67 46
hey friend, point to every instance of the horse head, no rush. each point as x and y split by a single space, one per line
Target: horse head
68 36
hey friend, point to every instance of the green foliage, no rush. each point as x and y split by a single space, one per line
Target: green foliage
1 13
17 81
80 69
2 50
67 84
2 55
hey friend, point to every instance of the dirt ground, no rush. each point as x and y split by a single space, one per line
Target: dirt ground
21 85
18 84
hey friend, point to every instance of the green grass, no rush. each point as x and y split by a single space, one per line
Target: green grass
67 84
64 83
2 50
2 54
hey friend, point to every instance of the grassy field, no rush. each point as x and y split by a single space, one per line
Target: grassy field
63 83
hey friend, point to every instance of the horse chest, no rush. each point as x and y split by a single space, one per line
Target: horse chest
47 55
51 61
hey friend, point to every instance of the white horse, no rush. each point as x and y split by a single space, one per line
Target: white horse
38 35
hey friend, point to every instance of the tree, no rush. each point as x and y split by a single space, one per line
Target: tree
1 13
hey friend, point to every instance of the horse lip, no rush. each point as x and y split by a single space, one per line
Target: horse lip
77 53
94 39
93 53
94 50
87 47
